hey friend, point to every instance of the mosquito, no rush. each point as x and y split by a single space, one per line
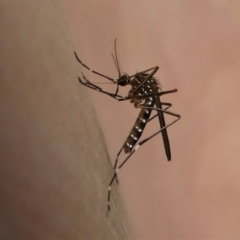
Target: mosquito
145 94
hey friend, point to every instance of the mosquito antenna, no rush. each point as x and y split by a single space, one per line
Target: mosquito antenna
117 66
116 60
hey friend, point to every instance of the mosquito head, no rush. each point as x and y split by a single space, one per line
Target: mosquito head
123 80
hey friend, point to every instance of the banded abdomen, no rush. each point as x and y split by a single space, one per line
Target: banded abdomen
138 127
148 87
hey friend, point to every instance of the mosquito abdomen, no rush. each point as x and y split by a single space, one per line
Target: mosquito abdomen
138 128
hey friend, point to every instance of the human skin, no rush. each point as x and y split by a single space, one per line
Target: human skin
196 46
54 167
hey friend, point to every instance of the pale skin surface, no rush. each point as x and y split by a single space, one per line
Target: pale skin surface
196 45
54 169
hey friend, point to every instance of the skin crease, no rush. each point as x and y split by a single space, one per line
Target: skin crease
196 46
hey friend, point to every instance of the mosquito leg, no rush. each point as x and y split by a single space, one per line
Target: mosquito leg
160 112
88 84
158 109
93 71
114 178
163 103
116 162
164 131
127 158
147 95
153 135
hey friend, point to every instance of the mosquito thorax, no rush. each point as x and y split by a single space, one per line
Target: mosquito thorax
123 80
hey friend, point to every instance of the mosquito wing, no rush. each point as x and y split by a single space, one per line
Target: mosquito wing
164 131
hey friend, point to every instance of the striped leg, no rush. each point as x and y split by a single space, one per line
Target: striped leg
88 84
